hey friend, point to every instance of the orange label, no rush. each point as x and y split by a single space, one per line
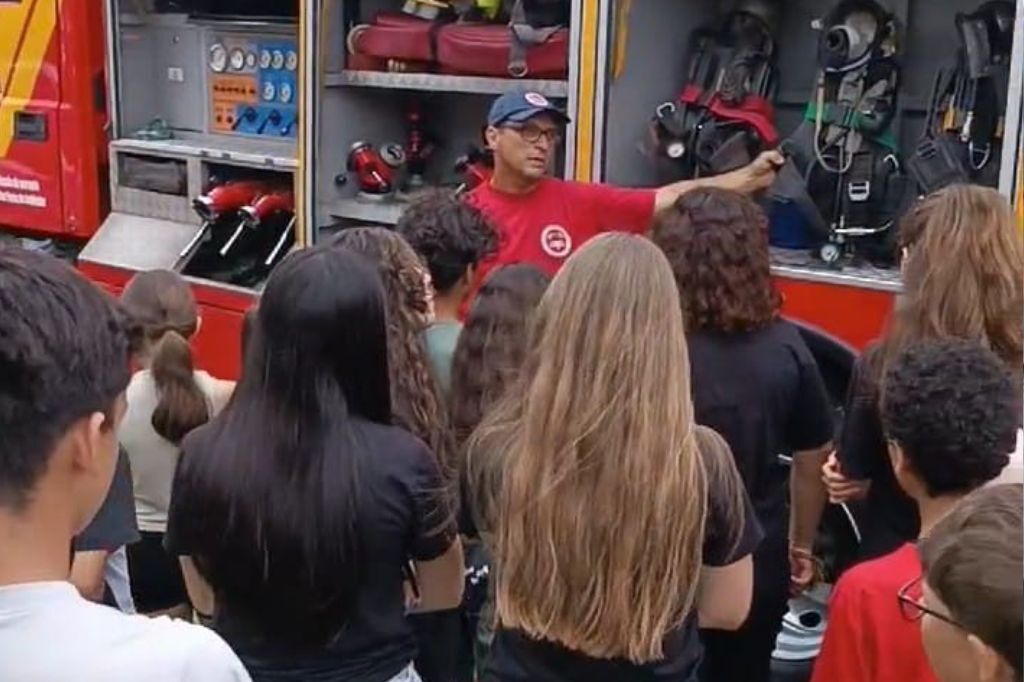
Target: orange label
235 89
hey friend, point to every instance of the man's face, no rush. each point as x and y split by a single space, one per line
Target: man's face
94 459
526 148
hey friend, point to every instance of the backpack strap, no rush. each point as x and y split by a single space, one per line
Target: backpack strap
524 36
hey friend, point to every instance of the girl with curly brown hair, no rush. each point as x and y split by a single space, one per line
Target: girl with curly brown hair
963 278
416 402
415 395
756 383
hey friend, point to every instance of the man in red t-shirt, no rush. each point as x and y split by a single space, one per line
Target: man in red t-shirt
540 219
951 419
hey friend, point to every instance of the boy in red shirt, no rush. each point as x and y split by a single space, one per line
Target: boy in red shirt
950 414
541 220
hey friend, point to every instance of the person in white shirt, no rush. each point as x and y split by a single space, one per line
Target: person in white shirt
167 398
64 356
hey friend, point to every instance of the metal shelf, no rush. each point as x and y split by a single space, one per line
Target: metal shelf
380 213
433 82
247 151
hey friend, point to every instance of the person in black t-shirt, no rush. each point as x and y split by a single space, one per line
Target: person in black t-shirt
756 383
619 522
488 359
99 566
301 505
962 258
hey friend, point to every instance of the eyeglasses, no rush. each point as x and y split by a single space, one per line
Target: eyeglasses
532 133
912 608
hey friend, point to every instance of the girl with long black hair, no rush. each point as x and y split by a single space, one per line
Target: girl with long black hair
301 505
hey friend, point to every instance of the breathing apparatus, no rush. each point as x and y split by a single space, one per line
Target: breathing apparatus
723 117
843 173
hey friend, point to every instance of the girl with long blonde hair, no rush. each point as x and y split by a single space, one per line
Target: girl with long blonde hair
612 505
963 278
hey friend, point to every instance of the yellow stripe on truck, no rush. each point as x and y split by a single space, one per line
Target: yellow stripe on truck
20 66
585 107
12 22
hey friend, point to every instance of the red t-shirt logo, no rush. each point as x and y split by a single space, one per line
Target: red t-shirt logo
555 241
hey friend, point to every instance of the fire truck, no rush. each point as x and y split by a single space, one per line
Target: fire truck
211 137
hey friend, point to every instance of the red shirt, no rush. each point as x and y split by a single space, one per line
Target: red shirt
867 637
545 226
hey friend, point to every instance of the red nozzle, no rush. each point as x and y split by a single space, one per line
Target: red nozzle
266 206
226 199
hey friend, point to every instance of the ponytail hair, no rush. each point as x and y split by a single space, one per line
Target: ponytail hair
163 316
182 405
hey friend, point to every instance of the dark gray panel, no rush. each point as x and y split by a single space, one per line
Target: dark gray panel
659 32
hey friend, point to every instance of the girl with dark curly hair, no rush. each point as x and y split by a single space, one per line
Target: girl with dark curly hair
416 401
415 395
488 358
493 343
756 383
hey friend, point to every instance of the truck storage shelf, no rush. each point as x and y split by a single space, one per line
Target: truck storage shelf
262 153
798 264
433 82
380 213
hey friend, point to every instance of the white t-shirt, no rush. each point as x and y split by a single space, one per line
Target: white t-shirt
152 456
49 633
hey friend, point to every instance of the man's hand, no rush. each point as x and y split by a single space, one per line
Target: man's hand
801 570
840 488
760 173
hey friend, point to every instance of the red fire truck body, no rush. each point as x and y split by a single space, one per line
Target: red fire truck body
53 144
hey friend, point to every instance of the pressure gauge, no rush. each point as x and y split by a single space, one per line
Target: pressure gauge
265 59
237 59
250 60
218 58
278 59
269 92
284 94
291 60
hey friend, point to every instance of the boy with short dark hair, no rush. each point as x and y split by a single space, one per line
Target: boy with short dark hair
452 238
950 413
63 371
971 614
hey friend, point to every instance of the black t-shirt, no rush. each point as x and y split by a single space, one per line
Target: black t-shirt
404 515
114 525
888 518
515 657
763 392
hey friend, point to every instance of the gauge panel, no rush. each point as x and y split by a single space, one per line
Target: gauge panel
253 85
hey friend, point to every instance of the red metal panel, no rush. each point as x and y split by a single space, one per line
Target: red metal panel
30 172
218 344
52 65
83 118
853 314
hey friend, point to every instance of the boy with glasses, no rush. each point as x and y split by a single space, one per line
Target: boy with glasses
950 410
973 589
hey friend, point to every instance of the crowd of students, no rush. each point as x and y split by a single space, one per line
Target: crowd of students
424 476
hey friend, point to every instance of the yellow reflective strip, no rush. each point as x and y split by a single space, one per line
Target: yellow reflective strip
26 67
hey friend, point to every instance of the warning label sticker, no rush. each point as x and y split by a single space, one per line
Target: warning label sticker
21 192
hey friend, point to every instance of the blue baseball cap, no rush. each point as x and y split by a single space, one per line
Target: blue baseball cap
517 107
